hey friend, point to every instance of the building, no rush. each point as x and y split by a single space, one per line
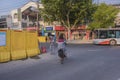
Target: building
23 17
5 21
117 20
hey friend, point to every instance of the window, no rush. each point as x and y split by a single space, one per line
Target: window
24 25
103 34
117 34
15 24
24 17
111 34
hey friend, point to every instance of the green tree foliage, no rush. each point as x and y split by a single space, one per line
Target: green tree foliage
103 17
70 13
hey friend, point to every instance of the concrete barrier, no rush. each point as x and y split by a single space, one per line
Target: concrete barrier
42 38
4 45
32 47
18 44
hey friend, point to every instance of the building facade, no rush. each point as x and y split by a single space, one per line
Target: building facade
117 20
23 17
5 21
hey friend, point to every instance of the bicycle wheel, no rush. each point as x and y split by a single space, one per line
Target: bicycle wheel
62 60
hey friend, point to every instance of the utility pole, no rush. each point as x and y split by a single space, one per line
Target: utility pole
37 2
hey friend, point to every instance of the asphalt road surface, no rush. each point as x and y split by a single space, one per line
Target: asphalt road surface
84 62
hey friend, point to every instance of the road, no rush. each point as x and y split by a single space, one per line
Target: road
85 62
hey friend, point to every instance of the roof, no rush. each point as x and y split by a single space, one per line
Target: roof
29 4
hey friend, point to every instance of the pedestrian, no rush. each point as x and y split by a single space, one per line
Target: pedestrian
52 44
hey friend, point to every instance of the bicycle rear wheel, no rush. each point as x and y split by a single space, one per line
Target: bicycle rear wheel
62 60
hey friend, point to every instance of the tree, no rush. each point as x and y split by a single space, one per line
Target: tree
103 17
70 13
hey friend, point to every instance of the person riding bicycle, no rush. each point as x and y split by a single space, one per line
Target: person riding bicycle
61 42
62 47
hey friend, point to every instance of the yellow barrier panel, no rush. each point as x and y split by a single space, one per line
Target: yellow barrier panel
32 44
4 45
42 38
18 45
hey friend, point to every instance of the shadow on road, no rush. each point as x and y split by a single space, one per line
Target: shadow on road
35 57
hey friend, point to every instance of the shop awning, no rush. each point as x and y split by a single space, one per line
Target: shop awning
59 28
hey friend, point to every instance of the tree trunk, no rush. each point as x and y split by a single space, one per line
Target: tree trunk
69 34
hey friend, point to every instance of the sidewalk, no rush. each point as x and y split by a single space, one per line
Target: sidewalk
80 41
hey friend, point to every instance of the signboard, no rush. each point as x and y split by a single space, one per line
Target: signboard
2 38
59 28
49 28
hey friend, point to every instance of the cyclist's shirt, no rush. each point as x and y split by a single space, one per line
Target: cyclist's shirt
61 44
60 40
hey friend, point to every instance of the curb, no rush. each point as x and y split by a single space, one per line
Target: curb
80 42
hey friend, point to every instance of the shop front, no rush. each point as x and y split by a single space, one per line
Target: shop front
76 33
59 30
80 33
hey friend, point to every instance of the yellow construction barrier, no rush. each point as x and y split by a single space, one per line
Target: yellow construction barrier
32 44
4 45
42 38
18 44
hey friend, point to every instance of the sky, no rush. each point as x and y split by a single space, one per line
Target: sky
110 1
7 5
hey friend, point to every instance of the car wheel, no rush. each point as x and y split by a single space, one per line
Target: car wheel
112 42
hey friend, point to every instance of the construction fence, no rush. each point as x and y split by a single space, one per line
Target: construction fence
18 44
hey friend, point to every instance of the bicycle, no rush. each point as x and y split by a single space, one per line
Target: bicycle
62 52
